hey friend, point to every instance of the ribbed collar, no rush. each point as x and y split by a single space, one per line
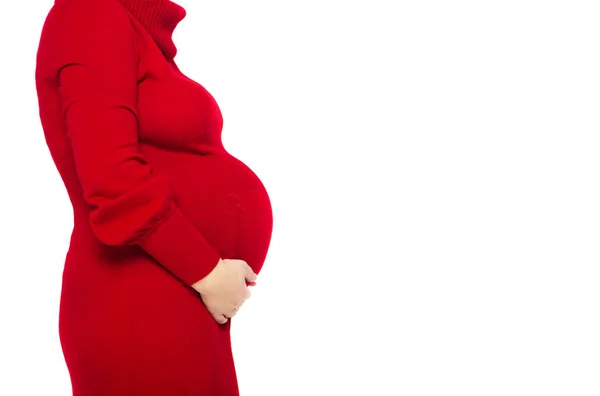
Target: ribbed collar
159 18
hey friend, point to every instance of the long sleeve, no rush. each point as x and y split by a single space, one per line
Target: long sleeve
94 54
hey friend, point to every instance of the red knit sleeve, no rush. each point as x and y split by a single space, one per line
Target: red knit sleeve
95 55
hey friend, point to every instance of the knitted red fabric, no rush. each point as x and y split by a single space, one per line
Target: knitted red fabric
157 200
159 18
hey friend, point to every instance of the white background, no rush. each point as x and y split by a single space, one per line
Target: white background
434 171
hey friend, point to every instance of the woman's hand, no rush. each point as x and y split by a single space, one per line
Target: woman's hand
224 290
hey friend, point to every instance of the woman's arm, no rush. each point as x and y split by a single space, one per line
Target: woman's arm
91 48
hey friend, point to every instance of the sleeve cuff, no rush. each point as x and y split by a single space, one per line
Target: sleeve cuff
180 247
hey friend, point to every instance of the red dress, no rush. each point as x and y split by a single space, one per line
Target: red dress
157 200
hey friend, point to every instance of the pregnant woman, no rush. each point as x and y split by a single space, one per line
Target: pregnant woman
169 228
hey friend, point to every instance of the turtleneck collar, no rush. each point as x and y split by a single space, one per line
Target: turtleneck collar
159 18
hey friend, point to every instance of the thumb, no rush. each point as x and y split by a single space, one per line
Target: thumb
250 275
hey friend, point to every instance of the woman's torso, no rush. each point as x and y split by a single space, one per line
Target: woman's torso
180 126
123 316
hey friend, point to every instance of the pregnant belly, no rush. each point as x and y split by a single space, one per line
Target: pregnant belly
223 198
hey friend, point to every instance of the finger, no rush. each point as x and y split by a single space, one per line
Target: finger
221 319
217 315
250 275
242 296
232 312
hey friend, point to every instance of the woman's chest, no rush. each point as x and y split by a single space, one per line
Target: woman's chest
172 108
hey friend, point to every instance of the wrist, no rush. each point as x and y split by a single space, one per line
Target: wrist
200 285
